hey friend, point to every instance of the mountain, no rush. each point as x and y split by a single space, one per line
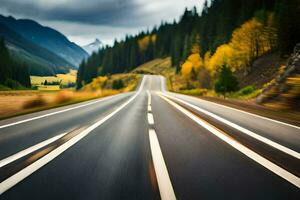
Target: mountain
46 38
41 60
93 47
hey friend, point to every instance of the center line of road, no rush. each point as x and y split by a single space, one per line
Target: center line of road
163 179
238 146
150 119
27 171
149 101
244 130
29 150
149 98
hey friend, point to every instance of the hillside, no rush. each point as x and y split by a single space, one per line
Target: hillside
284 90
41 60
211 30
263 70
157 66
46 38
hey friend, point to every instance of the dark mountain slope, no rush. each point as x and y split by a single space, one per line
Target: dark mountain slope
46 37
40 60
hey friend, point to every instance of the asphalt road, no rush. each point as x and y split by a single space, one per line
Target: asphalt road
148 144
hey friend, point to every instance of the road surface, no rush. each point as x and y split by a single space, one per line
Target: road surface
148 144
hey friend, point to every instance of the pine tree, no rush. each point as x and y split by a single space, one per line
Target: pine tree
5 70
226 82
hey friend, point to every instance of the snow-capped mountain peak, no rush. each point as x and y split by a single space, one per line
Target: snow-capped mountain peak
92 47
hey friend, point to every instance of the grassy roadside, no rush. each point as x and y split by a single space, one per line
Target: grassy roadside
15 103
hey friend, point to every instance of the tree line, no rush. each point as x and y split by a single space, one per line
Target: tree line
12 75
214 30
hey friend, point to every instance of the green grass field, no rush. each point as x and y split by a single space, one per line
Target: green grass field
63 78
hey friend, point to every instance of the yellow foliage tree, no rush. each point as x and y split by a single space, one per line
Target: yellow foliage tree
194 62
206 60
224 55
186 69
248 42
98 83
144 42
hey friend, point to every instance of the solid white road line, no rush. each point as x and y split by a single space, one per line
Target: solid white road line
244 130
161 171
16 178
238 146
242 111
62 111
149 109
150 119
53 113
29 150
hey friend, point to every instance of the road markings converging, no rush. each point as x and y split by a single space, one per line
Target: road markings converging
249 113
163 179
244 130
22 174
238 146
161 171
29 150
65 110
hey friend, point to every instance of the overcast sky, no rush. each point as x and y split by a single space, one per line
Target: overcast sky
84 20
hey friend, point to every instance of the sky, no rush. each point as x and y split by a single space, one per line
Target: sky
84 20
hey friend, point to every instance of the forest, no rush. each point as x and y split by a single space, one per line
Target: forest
232 33
12 75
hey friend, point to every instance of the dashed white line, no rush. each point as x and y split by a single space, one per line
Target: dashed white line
150 119
27 171
244 130
29 150
238 146
149 98
163 179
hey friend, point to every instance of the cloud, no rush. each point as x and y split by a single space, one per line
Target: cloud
101 12
107 19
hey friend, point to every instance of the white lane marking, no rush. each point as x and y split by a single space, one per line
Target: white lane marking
244 130
29 150
149 97
163 179
53 113
149 109
62 111
150 119
19 176
242 111
238 146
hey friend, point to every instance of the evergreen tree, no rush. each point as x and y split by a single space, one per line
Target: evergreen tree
5 70
226 82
